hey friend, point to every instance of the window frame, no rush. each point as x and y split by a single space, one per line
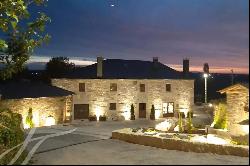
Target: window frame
141 88
80 87
111 85
167 113
112 108
168 89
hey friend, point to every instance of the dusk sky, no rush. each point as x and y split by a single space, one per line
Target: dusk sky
212 31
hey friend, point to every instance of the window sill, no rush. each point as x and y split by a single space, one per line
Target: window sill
168 115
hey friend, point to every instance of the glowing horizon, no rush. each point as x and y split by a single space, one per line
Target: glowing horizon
79 61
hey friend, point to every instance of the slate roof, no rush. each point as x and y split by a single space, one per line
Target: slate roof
30 89
126 69
244 85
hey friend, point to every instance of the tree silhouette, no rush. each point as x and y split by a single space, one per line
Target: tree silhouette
57 66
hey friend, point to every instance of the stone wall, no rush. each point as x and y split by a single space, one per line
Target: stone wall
97 94
237 102
179 144
41 108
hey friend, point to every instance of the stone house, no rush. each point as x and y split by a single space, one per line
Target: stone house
45 100
237 99
109 87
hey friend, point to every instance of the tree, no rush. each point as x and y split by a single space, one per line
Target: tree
132 112
22 34
220 116
190 124
180 123
29 118
58 66
152 113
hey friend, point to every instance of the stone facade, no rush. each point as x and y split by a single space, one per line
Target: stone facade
98 95
237 105
237 99
41 108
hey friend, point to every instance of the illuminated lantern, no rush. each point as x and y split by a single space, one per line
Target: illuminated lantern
50 120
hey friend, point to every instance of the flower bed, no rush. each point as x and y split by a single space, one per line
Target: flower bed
183 142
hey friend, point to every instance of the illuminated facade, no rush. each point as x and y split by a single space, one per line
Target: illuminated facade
49 104
237 108
111 90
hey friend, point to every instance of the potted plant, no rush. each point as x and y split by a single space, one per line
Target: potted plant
92 118
132 112
102 118
152 113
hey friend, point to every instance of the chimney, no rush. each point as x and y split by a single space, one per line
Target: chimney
155 59
99 73
185 67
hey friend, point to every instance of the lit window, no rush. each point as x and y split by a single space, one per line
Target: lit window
168 108
113 87
112 106
168 87
81 87
142 87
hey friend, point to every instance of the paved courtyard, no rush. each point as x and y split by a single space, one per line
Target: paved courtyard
91 144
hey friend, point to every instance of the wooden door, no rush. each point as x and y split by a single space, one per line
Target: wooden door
81 111
142 110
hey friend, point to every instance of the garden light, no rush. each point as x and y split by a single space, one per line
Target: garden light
50 120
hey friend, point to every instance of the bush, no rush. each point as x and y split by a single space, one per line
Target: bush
11 132
8 157
220 117
240 140
132 112
93 118
180 124
152 113
103 118
190 124
29 119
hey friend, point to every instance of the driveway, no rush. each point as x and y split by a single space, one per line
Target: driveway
91 144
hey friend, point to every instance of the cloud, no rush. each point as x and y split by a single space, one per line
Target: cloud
210 31
39 62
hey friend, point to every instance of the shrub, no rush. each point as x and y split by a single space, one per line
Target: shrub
92 118
132 112
220 117
240 140
152 113
11 132
8 157
190 124
180 124
29 119
103 118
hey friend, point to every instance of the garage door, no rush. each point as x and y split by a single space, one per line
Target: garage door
81 111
